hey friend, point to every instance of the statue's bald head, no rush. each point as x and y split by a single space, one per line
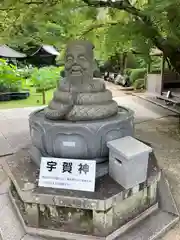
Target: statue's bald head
79 59
83 46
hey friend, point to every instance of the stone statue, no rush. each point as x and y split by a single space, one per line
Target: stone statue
79 96
82 117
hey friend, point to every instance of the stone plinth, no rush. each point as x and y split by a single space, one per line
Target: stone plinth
81 139
108 212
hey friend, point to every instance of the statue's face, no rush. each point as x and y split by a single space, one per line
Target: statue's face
77 62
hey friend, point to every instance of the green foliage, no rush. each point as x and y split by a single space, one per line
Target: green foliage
25 73
137 74
132 61
156 63
139 84
10 79
137 25
128 71
45 78
142 60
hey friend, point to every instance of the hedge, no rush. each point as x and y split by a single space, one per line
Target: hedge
138 73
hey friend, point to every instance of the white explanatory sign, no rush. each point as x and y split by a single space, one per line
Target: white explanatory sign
72 174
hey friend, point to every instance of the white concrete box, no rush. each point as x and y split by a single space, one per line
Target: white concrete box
128 161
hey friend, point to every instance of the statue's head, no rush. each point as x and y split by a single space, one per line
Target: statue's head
79 59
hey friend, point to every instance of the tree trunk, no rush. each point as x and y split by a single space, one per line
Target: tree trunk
174 59
172 54
44 96
124 61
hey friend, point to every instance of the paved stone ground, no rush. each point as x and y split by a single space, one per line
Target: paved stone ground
164 135
115 89
153 124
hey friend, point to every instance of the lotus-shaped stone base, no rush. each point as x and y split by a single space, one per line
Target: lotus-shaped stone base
78 140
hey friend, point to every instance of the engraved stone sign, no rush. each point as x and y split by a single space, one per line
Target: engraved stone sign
72 174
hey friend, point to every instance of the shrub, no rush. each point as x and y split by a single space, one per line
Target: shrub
131 61
137 74
45 78
128 71
26 72
139 83
10 79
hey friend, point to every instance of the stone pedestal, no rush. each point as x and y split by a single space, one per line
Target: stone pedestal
104 214
78 139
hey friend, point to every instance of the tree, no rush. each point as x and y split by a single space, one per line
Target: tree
44 79
156 20
128 23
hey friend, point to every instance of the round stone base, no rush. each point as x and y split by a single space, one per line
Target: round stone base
81 139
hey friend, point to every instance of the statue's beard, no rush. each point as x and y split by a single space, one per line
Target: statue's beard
76 78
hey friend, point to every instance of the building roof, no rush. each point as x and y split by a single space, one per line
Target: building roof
50 49
8 52
47 48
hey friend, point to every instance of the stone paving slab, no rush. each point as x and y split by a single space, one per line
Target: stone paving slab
164 135
10 227
173 234
14 133
17 113
2 116
149 228
4 201
143 111
115 89
14 125
4 187
5 147
4 182
18 140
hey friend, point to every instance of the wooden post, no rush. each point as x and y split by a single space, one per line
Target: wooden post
162 72
148 71
148 67
123 62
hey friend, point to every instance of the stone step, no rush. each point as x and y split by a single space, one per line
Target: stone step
142 100
143 110
152 227
155 104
